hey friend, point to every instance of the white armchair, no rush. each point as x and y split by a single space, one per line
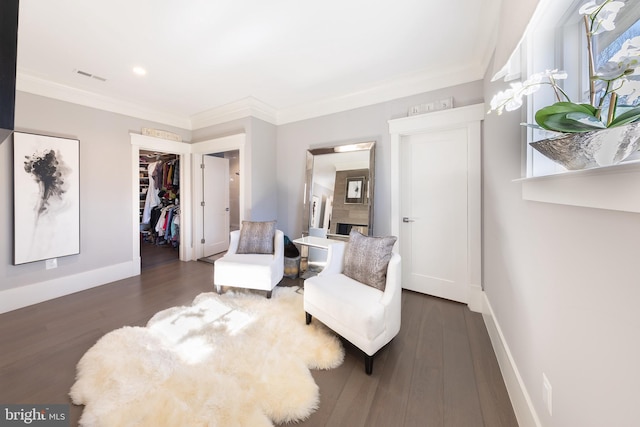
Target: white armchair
252 271
365 316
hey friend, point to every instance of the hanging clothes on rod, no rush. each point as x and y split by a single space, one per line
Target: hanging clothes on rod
160 219
163 179
152 200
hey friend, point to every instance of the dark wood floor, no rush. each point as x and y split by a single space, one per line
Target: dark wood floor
153 255
439 371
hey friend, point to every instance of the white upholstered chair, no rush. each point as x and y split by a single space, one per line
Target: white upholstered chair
252 270
365 316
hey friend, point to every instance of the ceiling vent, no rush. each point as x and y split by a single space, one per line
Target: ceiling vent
91 76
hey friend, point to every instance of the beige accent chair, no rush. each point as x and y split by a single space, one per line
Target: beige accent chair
365 316
251 271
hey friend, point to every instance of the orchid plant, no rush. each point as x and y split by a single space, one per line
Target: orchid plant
616 75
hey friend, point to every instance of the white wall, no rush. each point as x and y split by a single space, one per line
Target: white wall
105 196
359 125
564 286
261 150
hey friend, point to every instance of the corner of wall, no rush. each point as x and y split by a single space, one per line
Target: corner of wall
520 399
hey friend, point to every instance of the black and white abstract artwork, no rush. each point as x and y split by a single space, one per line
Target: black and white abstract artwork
46 195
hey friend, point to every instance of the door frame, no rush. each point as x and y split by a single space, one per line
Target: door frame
143 142
199 209
187 203
211 146
469 118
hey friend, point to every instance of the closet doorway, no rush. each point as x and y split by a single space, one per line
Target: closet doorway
159 208
181 152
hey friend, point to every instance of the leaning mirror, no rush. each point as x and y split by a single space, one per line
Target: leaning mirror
339 190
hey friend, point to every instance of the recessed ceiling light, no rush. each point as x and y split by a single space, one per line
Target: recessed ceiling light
139 71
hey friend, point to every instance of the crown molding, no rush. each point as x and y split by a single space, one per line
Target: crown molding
407 85
246 107
410 84
26 82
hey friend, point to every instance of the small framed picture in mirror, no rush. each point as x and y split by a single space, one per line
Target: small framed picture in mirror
355 190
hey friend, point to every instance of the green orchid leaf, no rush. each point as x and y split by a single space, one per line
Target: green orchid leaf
567 107
586 119
544 116
568 117
593 110
560 123
629 116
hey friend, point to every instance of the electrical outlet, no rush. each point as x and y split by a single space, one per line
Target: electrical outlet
546 392
51 263
429 107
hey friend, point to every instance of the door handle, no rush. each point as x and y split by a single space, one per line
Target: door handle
407 219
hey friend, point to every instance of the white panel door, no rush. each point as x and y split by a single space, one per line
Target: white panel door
434 229
215 197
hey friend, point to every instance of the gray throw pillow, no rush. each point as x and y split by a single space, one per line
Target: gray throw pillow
367 258
257 237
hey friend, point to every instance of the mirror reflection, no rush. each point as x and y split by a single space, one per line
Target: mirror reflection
339 190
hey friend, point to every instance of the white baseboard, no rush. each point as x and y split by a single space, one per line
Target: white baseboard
520 399
22 296
476 299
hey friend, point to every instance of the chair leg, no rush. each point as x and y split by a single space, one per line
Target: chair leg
269 294
308 317
368 364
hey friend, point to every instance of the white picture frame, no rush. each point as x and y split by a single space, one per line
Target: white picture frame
46 197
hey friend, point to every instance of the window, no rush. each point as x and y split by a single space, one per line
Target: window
556 40
613 46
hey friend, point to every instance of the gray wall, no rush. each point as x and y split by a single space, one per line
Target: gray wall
105 181
261 141
105 185
359 125
564 285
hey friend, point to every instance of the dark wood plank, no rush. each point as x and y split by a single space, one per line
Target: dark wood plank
391 400
461 402
494 399
426 403
358 392
439 371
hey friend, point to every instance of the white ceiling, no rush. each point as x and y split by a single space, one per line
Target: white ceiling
287 59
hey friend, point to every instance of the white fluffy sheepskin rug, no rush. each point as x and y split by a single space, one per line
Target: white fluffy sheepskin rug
236 359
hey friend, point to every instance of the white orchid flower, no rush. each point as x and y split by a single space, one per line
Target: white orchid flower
621 77
511 99
629 91
614 70
556 74
602 14
516 100
630 47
